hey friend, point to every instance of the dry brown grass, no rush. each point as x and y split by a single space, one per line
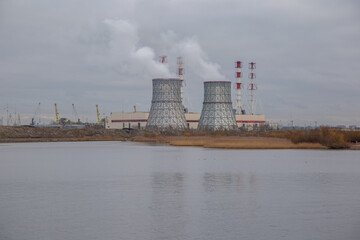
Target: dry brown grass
331 138
231 142
296 139
264 145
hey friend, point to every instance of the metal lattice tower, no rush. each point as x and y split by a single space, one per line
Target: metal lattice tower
239 106
166 105
217 112
162 59
252 86
181 77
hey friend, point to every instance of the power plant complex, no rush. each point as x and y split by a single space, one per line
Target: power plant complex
169 112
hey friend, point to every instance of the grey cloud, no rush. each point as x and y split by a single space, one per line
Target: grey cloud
307 52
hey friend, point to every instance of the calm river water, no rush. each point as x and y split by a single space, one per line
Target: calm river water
117 190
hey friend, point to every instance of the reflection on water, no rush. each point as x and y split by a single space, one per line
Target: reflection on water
168 206
219 181
113 190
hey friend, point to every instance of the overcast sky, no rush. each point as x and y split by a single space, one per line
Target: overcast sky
91 52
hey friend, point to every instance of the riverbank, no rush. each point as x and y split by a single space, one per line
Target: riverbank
81 139
207 142
355 146
229 142
32 134
224 140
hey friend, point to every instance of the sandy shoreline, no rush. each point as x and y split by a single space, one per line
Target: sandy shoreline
224 142
230 142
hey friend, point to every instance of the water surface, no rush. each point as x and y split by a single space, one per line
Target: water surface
117 190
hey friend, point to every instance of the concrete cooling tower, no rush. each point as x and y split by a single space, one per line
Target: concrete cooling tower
217 112
166 106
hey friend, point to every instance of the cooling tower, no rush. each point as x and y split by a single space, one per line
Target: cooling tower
166 105
217 112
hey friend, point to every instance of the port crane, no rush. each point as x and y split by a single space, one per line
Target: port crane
98 119
76 114
36 114
10 121
58 119
18 122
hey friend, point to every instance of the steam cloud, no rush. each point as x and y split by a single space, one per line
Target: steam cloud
127 57
197 60
125 53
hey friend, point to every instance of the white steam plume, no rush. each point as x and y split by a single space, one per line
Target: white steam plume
196 59
127 57
123 54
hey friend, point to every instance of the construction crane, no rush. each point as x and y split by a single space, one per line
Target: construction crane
76 114
98 119
10 121
58 119
37 112
18 122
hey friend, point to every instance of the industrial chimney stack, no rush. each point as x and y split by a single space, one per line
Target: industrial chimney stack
239 106
252 86
181 77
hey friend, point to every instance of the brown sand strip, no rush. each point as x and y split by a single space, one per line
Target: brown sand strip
232 142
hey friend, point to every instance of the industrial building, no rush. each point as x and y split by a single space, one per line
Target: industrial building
137 120
168 110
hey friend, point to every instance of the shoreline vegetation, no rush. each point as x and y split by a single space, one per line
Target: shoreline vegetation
322 138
